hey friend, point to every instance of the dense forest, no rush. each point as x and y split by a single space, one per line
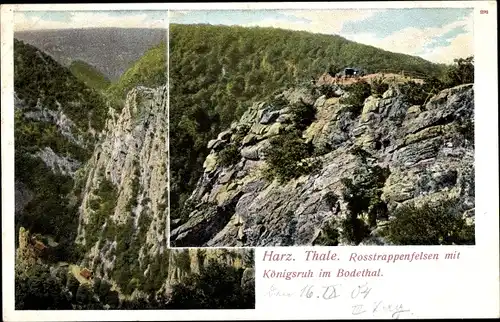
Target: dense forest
37 76
90 75
217 72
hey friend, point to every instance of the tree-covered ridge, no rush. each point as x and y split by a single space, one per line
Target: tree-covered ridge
90 75
150 71
38 77
217 72
236 62
56 113
110 50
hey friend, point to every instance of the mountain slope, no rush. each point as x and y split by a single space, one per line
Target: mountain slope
110 50
150 70
57 119
88 74
344 166
39 77
217 72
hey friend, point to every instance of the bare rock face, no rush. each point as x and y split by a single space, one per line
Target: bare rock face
128 172
421 154
58 164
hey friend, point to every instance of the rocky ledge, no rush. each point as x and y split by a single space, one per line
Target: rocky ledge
420 154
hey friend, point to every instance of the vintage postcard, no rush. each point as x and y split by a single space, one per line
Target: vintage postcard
250 161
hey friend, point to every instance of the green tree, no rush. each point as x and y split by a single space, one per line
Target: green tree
225 70
303 114
461 72
362 194
218 286
38 290
356 95
430 224
333 69
230 155
286 156
84 294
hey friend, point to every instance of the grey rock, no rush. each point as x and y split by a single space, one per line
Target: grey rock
427 158
22 196
57 163
224 136
284 118
268 116
250 153
250 139
212 143
298 95
132 152
255 152
226 176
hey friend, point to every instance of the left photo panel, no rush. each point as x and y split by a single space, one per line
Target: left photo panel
92 171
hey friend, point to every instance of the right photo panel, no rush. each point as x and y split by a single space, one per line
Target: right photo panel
328 128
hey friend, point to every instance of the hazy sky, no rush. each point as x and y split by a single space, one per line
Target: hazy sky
439 35
39 20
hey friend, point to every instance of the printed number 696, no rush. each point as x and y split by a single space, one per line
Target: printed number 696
483 12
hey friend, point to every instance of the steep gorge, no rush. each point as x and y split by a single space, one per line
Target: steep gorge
92 190
124 193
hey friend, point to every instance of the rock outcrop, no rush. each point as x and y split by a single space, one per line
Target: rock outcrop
26 256
132 157
65 131
65 126
426 153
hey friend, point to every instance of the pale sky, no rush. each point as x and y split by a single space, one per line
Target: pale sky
438 35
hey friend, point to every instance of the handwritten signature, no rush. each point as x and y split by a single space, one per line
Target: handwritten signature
380 308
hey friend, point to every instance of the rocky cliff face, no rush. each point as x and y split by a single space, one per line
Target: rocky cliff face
57 162
123 217
56 122
126 178
420 154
